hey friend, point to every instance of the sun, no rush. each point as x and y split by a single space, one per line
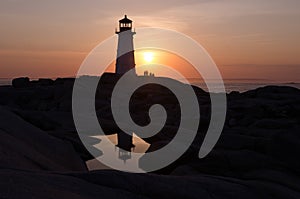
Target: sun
148 57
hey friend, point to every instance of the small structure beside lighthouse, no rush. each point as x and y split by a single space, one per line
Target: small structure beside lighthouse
125 53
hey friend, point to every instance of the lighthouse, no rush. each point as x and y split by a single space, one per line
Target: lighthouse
125 62
125 53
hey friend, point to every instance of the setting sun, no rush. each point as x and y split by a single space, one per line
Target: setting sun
148 57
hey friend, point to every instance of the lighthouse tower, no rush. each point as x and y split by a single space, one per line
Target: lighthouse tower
125 54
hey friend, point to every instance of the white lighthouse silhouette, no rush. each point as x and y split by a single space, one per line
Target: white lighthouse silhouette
125 54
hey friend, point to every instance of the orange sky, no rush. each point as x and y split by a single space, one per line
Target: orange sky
247 39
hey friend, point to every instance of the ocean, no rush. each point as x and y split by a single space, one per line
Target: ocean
5 81
240 85
243 85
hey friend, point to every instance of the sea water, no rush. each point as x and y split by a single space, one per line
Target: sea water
241 85
5 81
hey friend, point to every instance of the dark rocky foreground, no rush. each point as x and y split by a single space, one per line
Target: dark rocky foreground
41 155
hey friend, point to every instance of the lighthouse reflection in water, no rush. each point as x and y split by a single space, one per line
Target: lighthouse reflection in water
119 154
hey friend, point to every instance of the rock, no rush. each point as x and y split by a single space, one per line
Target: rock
44 93
119 185
45 82
255 157
273 124
26 147
22 82
233 122
284 146
60 81
39 119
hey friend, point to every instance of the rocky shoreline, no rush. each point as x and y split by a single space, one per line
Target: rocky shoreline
42 156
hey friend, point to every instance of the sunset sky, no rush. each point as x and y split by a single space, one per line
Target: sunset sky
257 39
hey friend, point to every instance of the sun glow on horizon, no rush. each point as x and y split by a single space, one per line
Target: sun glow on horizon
148 56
